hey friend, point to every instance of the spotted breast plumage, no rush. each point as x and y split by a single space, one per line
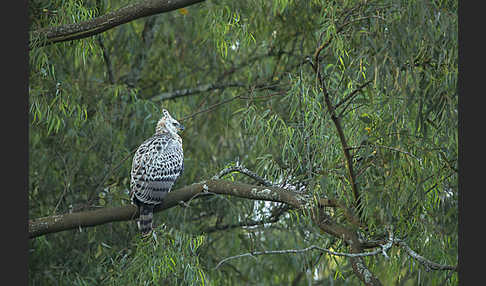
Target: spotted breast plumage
157 164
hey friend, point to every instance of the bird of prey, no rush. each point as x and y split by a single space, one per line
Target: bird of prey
156 165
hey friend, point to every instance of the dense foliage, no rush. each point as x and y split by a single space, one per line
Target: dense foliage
390 69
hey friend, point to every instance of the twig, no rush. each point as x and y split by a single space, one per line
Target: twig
352 94
190 91
67 183
211 107
388 245
241 169
249 223
449 275
106 57
240 96
386 147
429 265
398 150
444 157
312 247
364 18
263 96
60 198
338 30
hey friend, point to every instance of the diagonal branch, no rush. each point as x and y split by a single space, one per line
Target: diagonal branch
337 124
140 9
314 62
198 89
429 265
52 224
351 96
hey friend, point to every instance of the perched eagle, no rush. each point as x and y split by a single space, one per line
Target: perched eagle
156 165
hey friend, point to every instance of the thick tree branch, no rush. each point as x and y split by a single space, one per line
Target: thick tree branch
350 237
52 224
142 8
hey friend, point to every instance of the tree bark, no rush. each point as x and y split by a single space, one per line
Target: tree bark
350 237
142 8
57 223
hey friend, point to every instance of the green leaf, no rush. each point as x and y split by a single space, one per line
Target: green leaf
366 118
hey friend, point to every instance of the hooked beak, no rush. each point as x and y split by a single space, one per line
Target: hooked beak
180 127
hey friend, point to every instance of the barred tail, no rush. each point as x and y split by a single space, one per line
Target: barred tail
145 219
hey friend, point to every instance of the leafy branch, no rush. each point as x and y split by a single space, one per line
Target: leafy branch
381 249
310 248
337 124
140 9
